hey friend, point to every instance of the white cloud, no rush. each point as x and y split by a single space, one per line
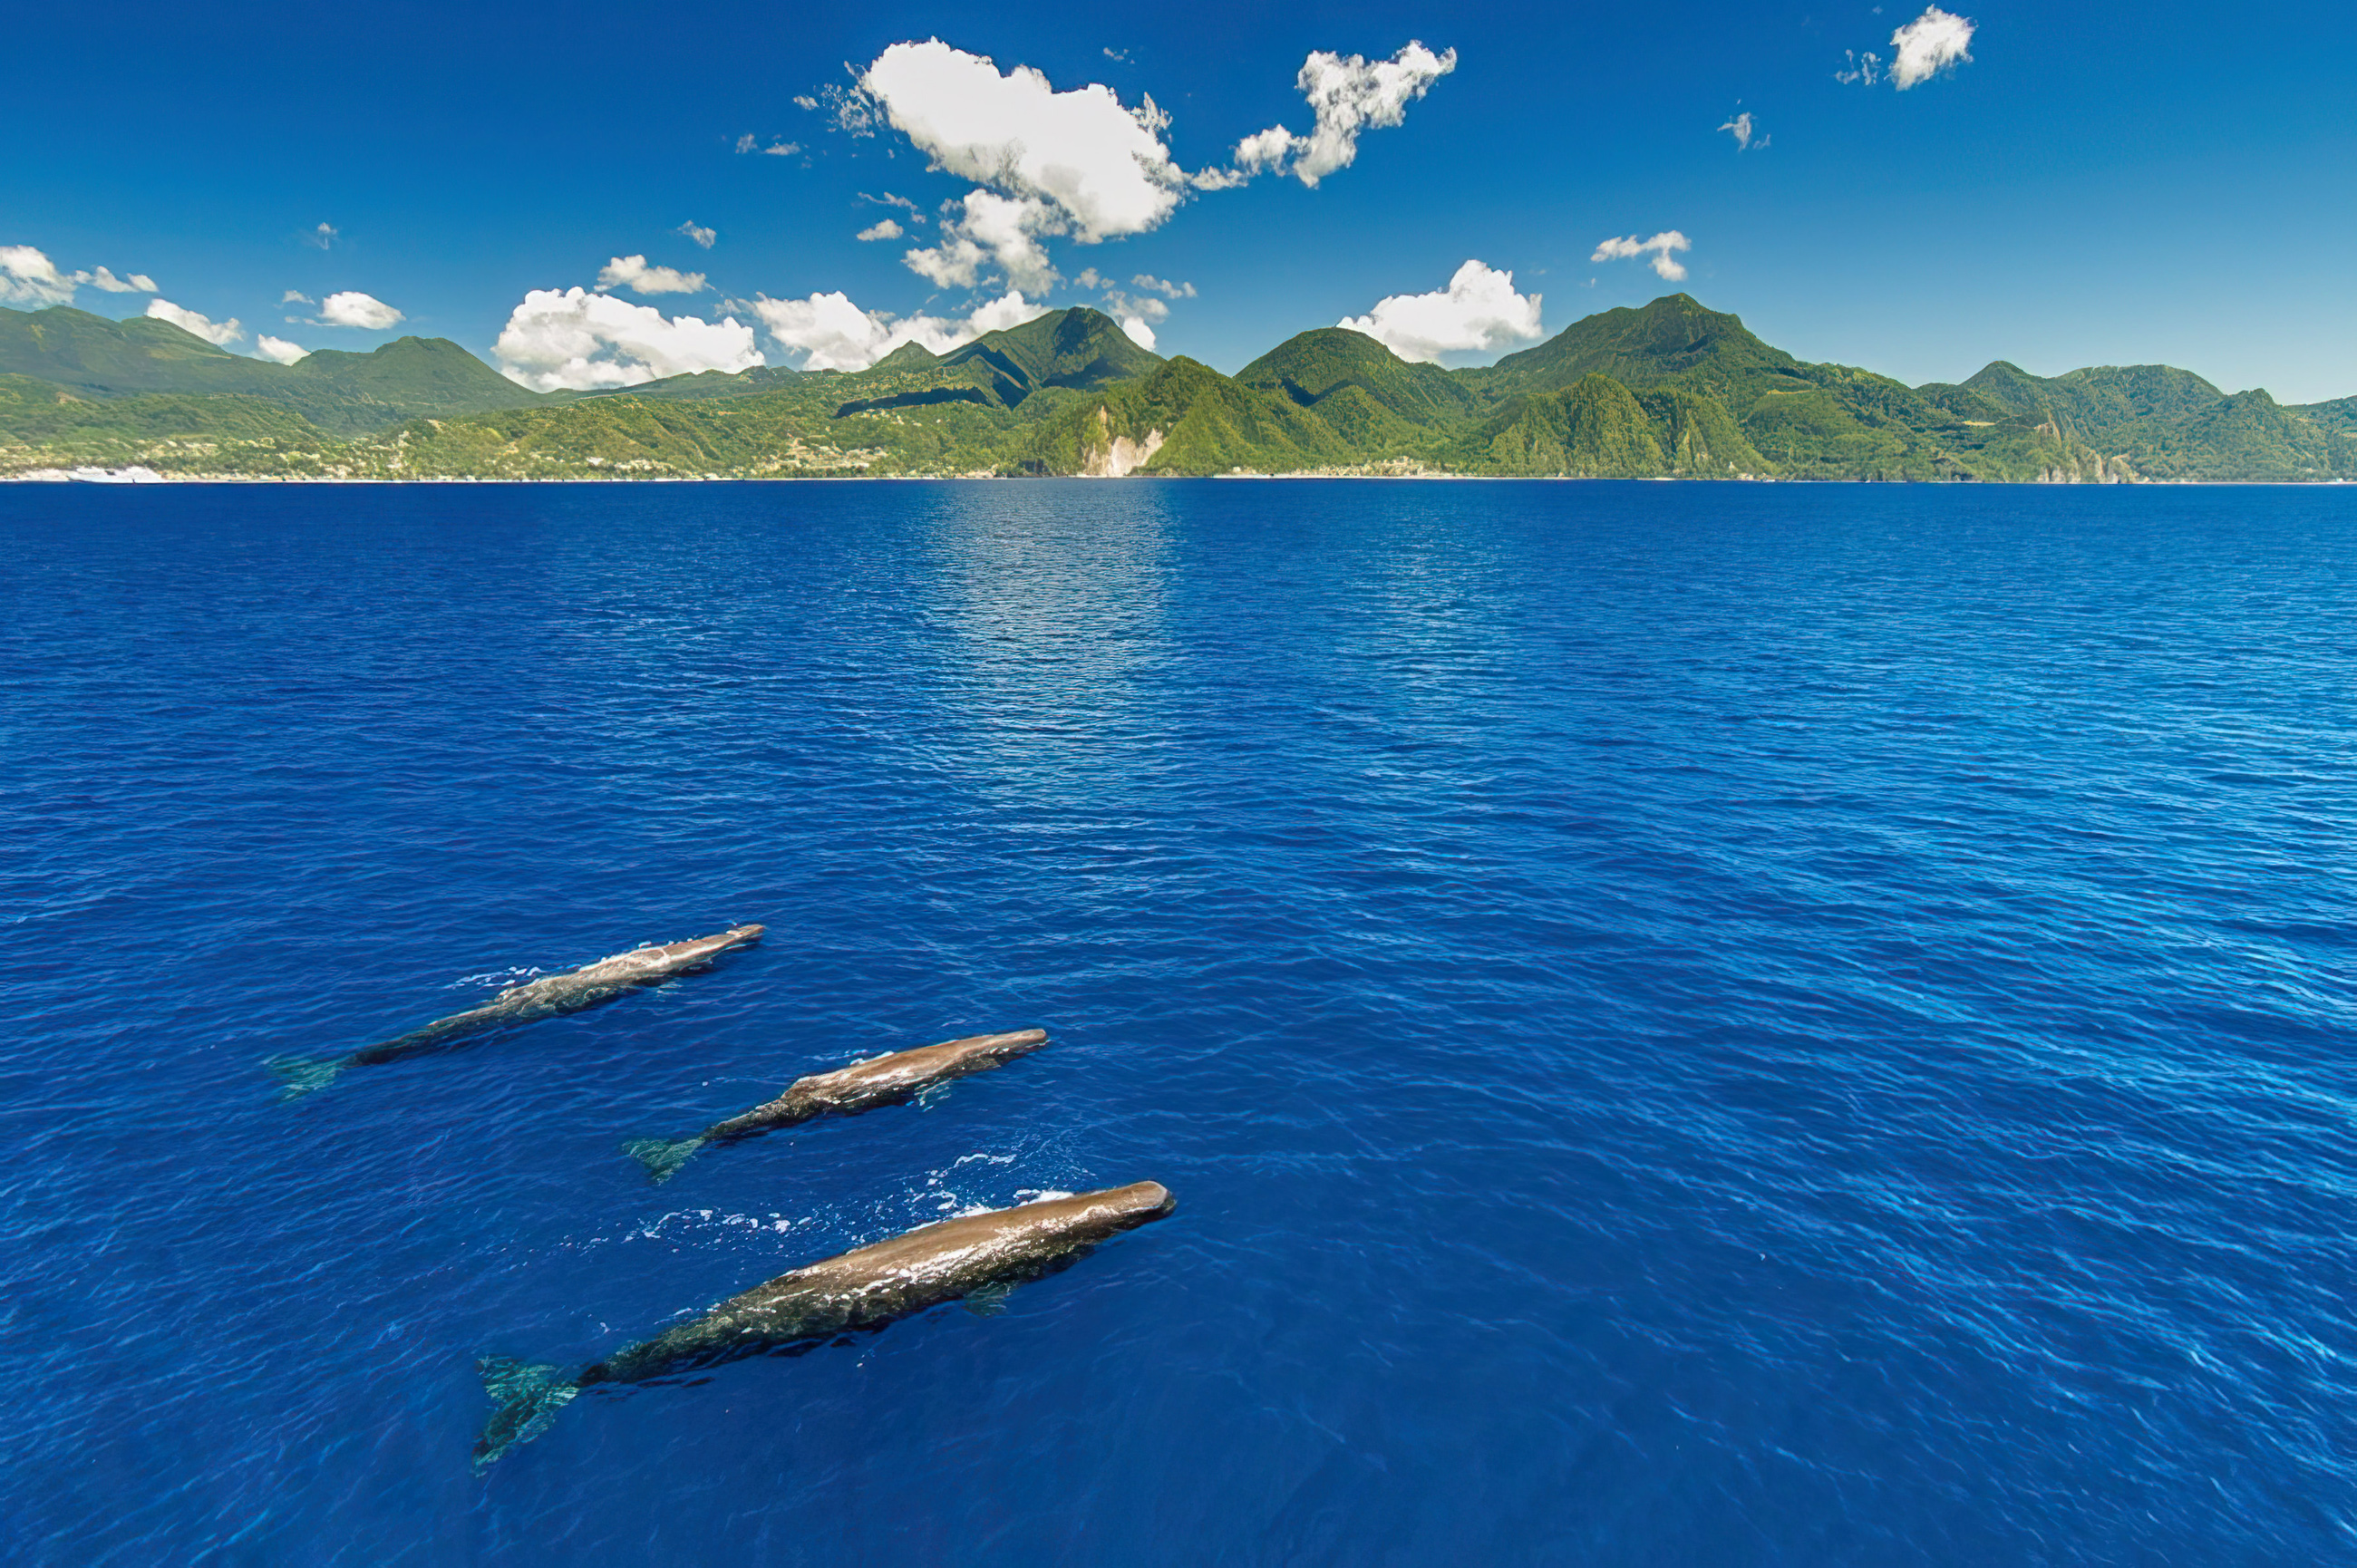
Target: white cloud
578 339
219 333
691 230
1478 311
1743 128
1348 93
100 278
296 297
886 229
1264 150
1163 286
29 277
749 143
1661 246
279 348
831 333
889 199
323 236
1138 332
992 229
804 101
1092 168
633 273
352 309
1932 43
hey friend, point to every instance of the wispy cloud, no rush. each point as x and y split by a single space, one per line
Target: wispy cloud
1659 247
296 297
691 230
1478 311
777 149
323 236
1746 131
100 278
632 273
220 334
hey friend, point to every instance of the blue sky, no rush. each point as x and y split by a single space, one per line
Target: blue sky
2106 183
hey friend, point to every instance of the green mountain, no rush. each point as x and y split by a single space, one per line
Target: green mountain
2162 423
343 393
1672 342
1310 369
1076 349
1668 389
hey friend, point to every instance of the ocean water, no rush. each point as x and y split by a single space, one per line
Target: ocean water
1688 1024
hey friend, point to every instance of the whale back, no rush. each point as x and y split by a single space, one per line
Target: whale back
870 1287
898 1072
634 967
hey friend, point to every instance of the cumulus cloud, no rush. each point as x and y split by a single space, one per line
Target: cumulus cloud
991 230
691 230
1477 311
633 273
1932 43
279 348
1659 247
886 228
29 277
578 339
1093 169
353 308
296 297
1744 129
323 236
220 334
831 333
1347 93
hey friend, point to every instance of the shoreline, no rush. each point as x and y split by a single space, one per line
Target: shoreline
143 477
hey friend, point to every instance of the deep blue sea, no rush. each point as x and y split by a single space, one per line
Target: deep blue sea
1689 1025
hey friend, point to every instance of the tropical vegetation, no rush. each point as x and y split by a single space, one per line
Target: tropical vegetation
1668 389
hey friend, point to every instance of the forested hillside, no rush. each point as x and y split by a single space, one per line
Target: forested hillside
1669 390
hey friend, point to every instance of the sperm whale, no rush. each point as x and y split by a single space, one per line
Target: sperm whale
866 1288
543 998
891 1079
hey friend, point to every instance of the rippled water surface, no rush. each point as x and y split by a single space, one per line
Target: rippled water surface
1688 1024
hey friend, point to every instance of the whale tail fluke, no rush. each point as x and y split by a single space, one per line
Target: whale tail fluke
663 1157
299 1076
526 1399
